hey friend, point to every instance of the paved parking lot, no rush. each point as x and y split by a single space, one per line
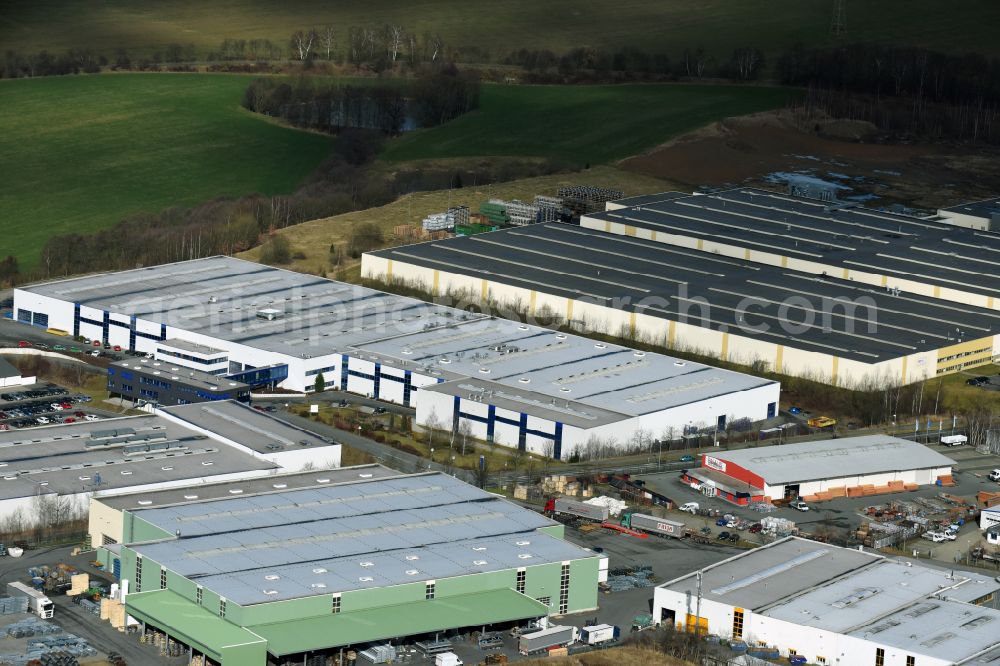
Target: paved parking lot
44 404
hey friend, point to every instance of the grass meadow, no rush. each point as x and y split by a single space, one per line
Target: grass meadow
582 124
79 153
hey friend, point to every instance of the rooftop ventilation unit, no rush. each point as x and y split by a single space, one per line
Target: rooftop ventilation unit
270 314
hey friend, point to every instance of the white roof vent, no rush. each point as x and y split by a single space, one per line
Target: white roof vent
270 592
367 564
272 577
523 327
560 336
524 380
479 563
639 354
167 469
190 497
523 543
479 548
600 345
366 579
412 558
318 586
322 480
236 491
206 463
83 478
145 502
412 572
319 570
279 486
680 364
524 556
485 370
126 472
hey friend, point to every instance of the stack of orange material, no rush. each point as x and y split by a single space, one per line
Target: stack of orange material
810 498
911 486
839 491
987 499
855 491
946 480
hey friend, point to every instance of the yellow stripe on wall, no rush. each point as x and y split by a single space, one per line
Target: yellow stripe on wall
388 270
784 262
437 282
701 244
629 231
569 309
937 292
631 324
905 362
652 235
534 299
607 226
484 294
989 302
725 347
836 370
746 254
847 274
778 357
885 280
671 333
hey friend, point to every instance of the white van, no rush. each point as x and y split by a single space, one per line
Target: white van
995 475
690 507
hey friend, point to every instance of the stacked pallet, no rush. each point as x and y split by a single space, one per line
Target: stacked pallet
946 480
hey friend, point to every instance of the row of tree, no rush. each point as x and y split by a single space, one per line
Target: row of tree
901 90
437 96
744 64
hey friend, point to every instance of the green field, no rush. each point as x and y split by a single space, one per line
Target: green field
503 25
79 153
582 124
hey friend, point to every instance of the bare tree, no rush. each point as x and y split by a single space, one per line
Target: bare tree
303 42
464 430
394 41
328 40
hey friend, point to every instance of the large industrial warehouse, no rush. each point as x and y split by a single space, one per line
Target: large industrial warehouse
839 606
510 383
301 573
844 466
73 462
915 255
820 326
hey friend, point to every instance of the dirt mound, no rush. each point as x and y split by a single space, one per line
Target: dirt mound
768 149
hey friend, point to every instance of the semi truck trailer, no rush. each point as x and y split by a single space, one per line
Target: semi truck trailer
599 633
547 638
653 525
38 603
578 509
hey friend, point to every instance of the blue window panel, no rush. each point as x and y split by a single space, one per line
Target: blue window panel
456 413
24 316
522 433
40 319
407 387
343 372
772 408
491 423
106 325
76 319
557 444
126 375
377 378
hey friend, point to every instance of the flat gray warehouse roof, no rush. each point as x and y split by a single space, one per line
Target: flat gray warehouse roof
120 453
169 372
673 283
272 483
244 425
350 536
556 375
853 237
985 209
764 576
832 458
220 296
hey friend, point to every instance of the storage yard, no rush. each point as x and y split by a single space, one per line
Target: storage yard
514 384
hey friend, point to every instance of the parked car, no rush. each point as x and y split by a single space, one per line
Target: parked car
79 415
799 505
686 459
690 507
734 537
723 536
721 522
69 419
755 528
23 343
795 410
42 420
936 537
92 417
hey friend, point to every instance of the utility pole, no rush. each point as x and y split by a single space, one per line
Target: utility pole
838 25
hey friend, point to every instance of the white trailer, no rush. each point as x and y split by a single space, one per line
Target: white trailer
599 633
38 603
547 638
954 440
